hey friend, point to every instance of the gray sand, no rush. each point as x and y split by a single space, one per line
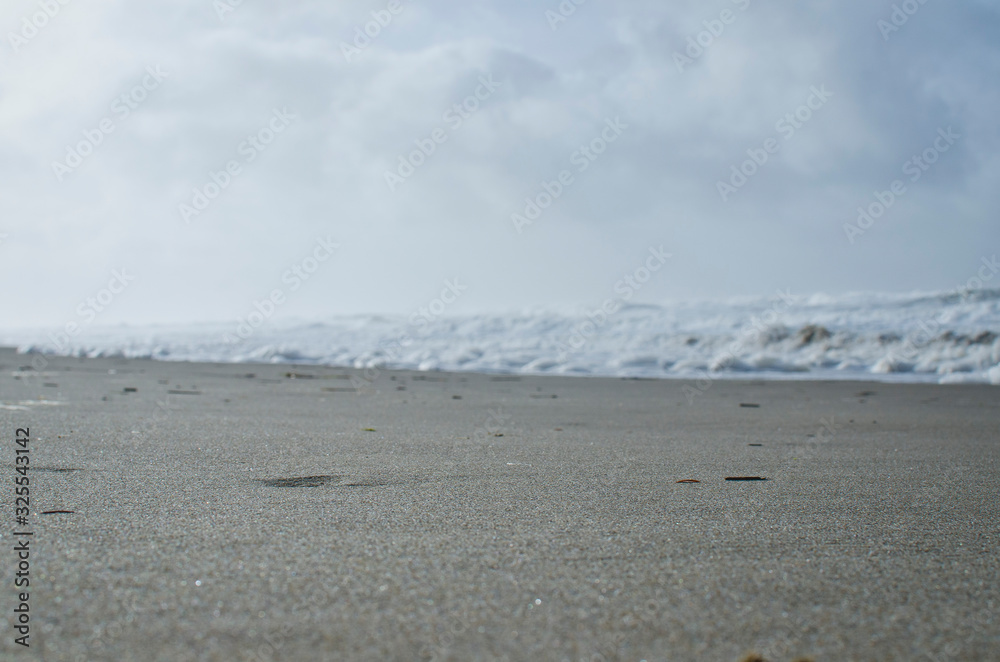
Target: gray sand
254 518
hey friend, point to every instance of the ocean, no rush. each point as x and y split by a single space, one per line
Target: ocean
944 337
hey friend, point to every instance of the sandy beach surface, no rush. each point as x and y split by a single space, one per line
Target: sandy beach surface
275 512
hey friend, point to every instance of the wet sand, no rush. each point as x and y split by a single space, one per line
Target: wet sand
259 512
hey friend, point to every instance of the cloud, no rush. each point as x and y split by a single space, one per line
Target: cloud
325 175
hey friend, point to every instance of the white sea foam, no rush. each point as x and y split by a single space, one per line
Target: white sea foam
942 337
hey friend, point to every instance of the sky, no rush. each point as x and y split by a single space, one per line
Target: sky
184 161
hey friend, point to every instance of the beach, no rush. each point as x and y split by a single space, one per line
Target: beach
284 512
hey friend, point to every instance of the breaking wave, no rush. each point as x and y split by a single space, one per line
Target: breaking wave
935 337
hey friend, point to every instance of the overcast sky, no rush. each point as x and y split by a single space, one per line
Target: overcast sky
331 114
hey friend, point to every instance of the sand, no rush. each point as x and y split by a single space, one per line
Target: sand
259 512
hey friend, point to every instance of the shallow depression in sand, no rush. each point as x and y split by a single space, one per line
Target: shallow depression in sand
302 481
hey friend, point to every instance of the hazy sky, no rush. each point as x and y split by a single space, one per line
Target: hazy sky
181 87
